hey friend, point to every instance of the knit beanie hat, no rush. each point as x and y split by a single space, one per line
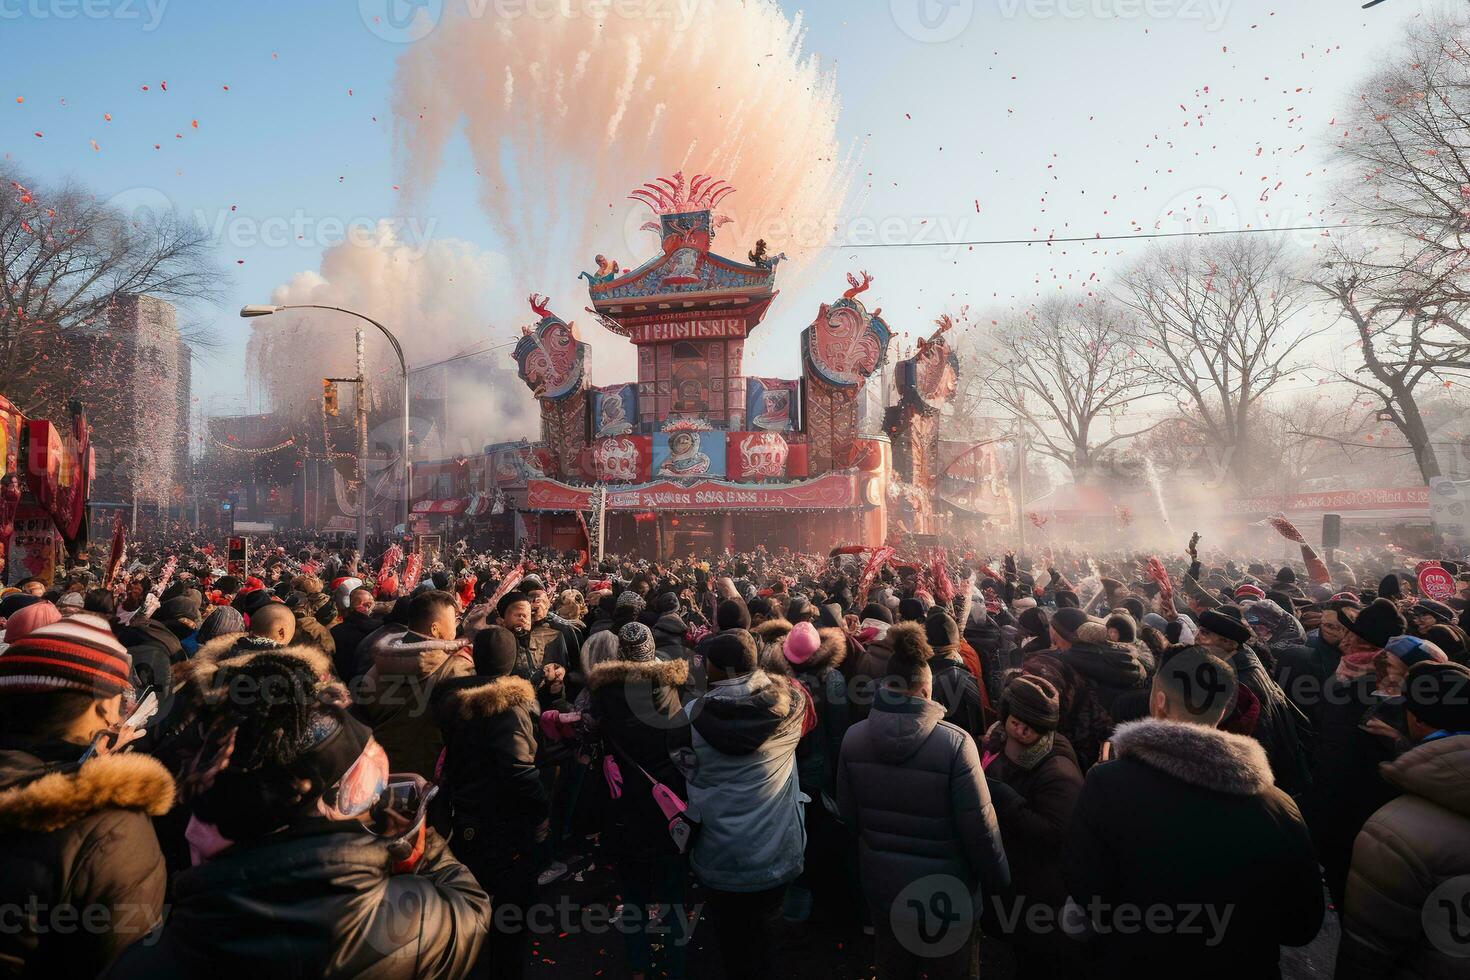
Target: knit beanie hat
494 651
1032 700
1249 590
223 621
1066 621
942 631
75 654
630 598
667 602
732 615
802 643
635 643
30 619
1412 650
732 651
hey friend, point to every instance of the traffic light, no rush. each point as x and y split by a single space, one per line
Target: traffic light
329 397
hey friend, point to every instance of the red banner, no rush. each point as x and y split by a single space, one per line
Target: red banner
623 459
59 470
834 491
1334 500
1436 583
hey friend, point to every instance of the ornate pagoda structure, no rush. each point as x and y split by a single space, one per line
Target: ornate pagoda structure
696 455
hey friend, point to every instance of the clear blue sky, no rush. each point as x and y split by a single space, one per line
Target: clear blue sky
1053 117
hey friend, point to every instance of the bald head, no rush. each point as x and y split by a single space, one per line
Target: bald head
273 621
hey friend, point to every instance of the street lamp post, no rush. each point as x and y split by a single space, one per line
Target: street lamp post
249 312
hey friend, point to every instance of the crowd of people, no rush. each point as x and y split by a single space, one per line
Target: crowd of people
1108 765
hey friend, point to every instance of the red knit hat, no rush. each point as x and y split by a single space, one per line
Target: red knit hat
75 654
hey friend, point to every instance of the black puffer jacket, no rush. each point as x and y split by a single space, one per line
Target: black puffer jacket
996 651
1109 669
347 636
957 690
635 706
74 839
319 900
490 778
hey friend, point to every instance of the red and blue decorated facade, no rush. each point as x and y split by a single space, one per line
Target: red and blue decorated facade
694 453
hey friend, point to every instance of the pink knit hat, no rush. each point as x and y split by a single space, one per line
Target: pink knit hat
28 620
802 643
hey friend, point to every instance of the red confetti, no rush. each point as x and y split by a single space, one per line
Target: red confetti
39 134
19 99
107 117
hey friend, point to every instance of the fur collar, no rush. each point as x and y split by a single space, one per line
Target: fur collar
771 631
1203 757
412 655
661 673
130 781
493 697
829 655
226 650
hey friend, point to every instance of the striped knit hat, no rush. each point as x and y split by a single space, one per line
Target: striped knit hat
75 654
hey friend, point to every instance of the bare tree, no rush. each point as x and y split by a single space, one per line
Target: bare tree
1400 314
1065 368
1216 325
64 257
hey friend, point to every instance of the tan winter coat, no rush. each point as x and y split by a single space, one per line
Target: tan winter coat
1403 917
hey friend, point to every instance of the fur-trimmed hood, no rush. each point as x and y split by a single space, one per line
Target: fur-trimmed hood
470 698
238 649
772 631
740 715
412 655
1200 756
831 653
37 801
659 673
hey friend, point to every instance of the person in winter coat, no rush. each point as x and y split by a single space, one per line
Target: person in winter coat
738 756
1108 669
395 624
1082 721
814 658
395 695
872 664
1276 729
911 786
287 873
995 650
498 804
1186 831
955 688
669 628
635 704
1034 782
358 623
1035 626
76 842
1405 914
1347 787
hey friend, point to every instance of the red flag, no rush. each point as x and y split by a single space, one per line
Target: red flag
119 545
1160 574
1285 528
876 561
412 570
